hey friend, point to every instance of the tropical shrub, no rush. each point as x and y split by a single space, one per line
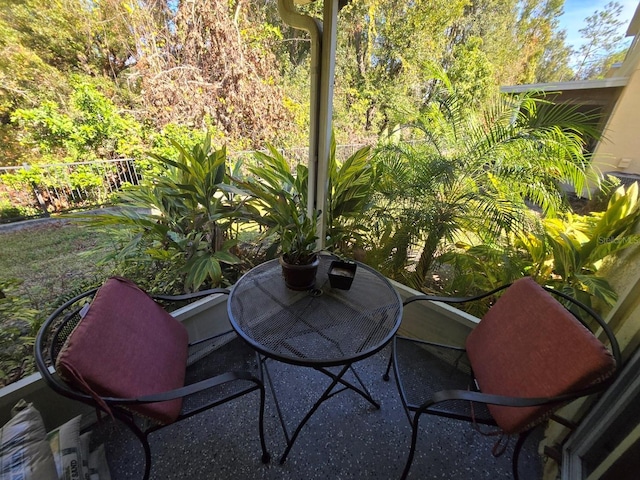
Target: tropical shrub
176 229
61 186
281 199
479 268
85 126
8 211
279 204
351 189
475 174
564 252
569 253
18 325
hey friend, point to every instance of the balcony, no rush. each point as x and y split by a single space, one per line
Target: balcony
346 438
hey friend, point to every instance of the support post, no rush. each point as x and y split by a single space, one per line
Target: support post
329 36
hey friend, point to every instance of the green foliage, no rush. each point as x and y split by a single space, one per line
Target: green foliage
43 47
90 128
351 190
66 186
164 143
473 269
8 211
554 65
474 174
564 252
229 51
18 326
570 251
472 73
25 74
83 177
280 200
480 268
178 225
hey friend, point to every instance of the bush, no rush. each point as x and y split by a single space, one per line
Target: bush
178 227
8 211
18 326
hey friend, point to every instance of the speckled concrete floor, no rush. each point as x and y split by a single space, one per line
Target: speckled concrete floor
346 439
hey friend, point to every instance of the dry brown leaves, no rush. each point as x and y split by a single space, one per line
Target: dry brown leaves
206 70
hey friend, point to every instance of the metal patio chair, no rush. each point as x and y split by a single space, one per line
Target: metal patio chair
117 349
529 355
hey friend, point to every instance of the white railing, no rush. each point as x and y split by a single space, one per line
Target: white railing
31 191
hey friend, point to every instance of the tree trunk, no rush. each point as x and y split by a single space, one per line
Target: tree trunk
434 237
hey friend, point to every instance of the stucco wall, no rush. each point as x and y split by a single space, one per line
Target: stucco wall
621 137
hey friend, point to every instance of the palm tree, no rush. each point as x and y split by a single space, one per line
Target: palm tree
481 172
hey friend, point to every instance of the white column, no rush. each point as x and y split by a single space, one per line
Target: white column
327 59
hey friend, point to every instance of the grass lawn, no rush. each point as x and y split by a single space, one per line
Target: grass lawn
53 259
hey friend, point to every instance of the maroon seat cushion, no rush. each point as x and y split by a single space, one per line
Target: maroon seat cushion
529 345
127 346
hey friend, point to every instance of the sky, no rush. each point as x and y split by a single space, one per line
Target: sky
575 12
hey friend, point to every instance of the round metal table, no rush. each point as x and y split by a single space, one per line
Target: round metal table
319 328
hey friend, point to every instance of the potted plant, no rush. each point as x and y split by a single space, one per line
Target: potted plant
280 205
298 247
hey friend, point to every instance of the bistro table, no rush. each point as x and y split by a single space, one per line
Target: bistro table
319 328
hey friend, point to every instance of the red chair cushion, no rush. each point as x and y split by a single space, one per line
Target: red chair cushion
529 345
127 346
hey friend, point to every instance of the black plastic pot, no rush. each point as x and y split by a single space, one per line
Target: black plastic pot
300 277
341 273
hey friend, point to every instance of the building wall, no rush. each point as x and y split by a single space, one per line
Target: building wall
620 149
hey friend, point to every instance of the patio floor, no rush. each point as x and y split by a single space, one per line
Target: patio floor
346 439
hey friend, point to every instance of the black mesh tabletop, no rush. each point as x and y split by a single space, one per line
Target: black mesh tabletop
319 327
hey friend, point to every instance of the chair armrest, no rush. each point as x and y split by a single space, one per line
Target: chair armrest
190 296
434 298
187 389
506 401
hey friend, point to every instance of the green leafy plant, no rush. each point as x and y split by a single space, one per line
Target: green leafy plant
280 200
564 252
480 268
179 222
90 126
282 196
572 247
475 173
9 211
18 325
351 190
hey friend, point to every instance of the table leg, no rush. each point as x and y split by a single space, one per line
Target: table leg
262 361
363 392
327 394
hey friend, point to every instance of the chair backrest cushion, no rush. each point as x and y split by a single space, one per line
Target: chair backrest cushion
127 346
529 345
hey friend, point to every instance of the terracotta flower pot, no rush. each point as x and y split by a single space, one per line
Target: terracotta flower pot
300 277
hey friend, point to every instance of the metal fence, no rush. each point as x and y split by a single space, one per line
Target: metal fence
41 190
33 191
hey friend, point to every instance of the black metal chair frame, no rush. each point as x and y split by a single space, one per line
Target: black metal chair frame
60 324
436 404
